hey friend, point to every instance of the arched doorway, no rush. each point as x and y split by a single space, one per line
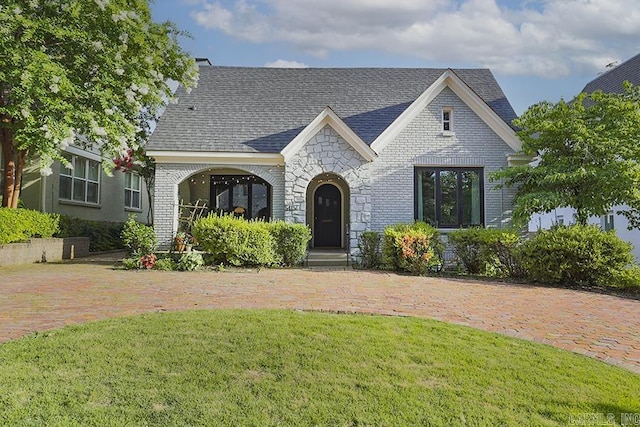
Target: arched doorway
328 202
327 216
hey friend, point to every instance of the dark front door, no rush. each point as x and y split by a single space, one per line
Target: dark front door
327 212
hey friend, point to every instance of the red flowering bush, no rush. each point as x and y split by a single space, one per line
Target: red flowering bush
148 261
415 248
124 163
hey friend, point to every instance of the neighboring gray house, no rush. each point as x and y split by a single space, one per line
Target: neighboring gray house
342 150
611 82
85 191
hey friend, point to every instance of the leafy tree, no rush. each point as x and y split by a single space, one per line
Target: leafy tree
87 72
588 156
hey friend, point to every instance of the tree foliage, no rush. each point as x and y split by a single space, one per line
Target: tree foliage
85 72
588 156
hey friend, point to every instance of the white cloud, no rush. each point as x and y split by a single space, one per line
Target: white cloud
283 63
546 38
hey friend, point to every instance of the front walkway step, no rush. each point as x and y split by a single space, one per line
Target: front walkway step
327 258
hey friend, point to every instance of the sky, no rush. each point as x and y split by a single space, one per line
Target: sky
537 49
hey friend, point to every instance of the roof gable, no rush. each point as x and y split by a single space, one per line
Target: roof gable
328 117
466 94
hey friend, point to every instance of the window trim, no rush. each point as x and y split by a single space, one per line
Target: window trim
85 180
438 198
133 190
444 123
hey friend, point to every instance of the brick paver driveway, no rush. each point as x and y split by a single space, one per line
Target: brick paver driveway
44 296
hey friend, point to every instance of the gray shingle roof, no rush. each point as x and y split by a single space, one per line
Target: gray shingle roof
263 109
611 81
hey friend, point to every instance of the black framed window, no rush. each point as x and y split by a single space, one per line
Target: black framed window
248 196
449 197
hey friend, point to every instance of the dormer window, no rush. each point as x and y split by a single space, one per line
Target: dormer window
447 120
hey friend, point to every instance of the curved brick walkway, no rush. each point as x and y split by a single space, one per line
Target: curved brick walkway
45 296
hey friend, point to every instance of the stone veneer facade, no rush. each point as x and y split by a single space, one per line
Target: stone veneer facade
422 143
328 152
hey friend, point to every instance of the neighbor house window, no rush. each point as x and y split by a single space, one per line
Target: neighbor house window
248 196
607 222
132 190
449 197
81 182
447 120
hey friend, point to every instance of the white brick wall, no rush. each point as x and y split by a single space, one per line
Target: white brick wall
170 175
421 143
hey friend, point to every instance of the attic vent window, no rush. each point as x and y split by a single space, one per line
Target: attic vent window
447 121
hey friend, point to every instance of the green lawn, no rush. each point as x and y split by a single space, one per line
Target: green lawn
288 368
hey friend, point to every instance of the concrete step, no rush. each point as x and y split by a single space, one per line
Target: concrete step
327 258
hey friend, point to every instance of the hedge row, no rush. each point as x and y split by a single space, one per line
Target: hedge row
575 255
238 242
103 235
19 225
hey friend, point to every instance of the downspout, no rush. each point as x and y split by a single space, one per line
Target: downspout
43 193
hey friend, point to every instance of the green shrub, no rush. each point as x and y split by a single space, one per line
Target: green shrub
190 261
138 239
131 263
19 225
165 264
290 241
489 251
235 241
582 255
369 244
103 235
468 246
415 248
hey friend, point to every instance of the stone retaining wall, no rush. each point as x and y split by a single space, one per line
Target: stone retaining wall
44 250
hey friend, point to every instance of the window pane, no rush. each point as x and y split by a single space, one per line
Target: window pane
241 196
92 192
127 180
222 198
80 168
65 187
78 190
94 171
259 207
135 182
127 198
448 198
470 198
427 197
135 202
64 170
